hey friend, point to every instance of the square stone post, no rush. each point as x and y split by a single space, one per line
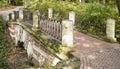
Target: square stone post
21 14
10 16
110 30
50 13
72 16
16 13
80 1
67 38
13 16
35 20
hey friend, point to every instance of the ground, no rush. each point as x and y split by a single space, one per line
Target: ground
15 53
17 56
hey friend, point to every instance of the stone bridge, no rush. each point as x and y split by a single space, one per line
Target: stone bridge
46 40
49 41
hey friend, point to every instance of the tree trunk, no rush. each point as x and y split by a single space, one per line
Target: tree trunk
8 2
118 5
105 1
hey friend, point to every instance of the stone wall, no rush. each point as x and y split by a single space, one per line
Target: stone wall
19 32
33 47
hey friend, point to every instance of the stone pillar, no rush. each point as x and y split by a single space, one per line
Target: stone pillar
80 1
35 21
67 38
50 13
21 14
13 16
7 18
72 16
10 16
110 30
16 15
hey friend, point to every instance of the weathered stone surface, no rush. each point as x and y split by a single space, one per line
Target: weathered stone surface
33 47
72 16
110 30
50 13
13 16
35 21
67 33
21 14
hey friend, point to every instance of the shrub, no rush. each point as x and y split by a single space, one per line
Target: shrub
2 3
3 45
90 17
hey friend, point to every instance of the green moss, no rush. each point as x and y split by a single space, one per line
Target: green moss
49 44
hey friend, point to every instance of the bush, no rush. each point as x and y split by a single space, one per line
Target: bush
90 17
2 3
3 45
93 19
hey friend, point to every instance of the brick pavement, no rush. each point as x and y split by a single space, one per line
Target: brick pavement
96 54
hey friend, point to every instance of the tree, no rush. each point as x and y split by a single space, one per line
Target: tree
118 5
9 1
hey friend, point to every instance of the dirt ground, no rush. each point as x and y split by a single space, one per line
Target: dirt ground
17 56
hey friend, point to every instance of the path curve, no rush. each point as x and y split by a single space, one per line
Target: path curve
96 54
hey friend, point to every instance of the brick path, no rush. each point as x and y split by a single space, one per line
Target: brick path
96 54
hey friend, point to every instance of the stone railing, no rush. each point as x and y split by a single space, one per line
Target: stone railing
51 28
60 31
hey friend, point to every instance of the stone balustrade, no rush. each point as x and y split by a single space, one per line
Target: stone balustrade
61 32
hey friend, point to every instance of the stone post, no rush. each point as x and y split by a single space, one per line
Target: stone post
35 21
50 13
10 16
20 14
67 38
16 15
72 16
80 1
7 18
110 30
13 16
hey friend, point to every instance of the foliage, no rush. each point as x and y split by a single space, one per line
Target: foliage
93 19
2 3
3 45
18 2
90 17
61 9
71 62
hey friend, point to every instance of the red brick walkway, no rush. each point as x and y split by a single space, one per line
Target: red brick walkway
96 54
